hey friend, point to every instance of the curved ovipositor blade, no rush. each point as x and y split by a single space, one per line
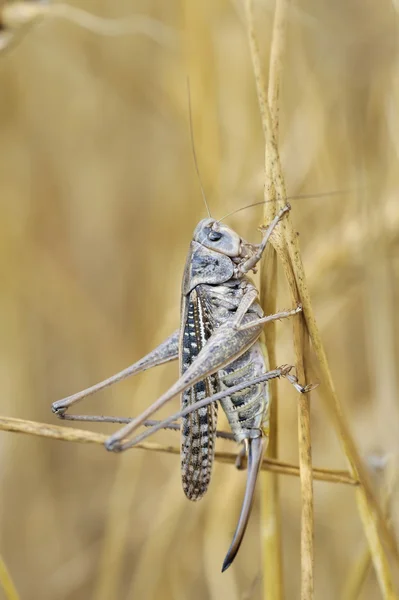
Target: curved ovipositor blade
255 455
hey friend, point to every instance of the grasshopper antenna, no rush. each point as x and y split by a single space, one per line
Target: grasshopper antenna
298 197
193 148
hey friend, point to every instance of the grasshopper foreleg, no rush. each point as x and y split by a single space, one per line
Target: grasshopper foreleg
248 264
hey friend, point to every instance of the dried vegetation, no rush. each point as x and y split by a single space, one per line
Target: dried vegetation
98 201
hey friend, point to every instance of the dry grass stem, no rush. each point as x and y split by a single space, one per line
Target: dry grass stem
368 507
99 199
270 498
82 436
274 174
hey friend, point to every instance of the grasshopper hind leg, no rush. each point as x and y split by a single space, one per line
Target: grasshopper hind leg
167 351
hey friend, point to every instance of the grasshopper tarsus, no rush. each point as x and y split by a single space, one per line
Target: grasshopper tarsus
310 387
302 389
113 445
279 216
58 410
285 370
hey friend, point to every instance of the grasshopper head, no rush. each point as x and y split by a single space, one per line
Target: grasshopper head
220 238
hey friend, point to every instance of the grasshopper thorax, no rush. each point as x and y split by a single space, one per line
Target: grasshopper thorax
220 238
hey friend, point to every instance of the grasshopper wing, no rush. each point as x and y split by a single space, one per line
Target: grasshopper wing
198 429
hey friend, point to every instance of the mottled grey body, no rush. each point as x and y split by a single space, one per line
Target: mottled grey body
213 289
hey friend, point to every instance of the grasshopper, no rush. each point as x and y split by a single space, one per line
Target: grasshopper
220 359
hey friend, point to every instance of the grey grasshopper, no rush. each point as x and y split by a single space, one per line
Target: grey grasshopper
220 359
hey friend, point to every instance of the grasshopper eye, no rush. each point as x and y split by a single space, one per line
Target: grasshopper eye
214 236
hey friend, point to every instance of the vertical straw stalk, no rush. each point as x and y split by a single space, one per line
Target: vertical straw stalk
272 555
287 248
275 188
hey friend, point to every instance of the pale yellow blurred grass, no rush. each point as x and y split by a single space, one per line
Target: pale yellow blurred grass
98 201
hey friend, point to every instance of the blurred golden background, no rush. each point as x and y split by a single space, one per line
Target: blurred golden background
99 198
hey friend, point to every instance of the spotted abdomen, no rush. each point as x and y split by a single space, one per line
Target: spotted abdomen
248 410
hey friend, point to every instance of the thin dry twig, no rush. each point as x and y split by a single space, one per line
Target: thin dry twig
281 246
67 434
